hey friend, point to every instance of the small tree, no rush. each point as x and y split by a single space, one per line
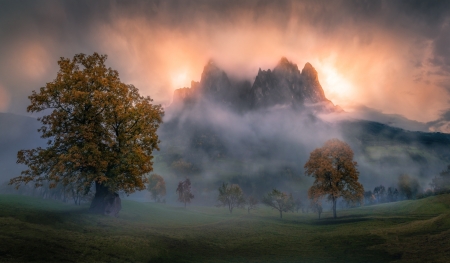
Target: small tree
335 173
231 196
408 186
280 201
156 187
184 191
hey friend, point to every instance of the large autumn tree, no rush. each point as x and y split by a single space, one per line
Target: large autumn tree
335 174
100 132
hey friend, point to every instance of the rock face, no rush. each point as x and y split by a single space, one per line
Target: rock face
180 95
214 82
285 85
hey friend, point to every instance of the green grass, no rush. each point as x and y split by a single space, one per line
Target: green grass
35 230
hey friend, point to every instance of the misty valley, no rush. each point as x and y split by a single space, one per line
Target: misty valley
233 170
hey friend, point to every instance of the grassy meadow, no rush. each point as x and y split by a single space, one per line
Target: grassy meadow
36 230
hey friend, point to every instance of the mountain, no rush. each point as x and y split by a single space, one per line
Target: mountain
260 134
283 86
362 112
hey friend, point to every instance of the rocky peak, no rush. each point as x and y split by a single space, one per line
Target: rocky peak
310 73
284 85
213 80
313 89
285 67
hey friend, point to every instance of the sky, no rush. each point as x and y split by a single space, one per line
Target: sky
391 56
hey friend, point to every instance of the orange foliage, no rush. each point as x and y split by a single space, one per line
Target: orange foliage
99 129
335 174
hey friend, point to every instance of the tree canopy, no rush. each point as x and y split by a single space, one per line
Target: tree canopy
335 174
99 130
231 196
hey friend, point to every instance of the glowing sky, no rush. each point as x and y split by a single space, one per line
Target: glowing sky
393 56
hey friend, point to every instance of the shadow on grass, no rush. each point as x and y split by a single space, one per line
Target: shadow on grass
342 220
35 215
363 218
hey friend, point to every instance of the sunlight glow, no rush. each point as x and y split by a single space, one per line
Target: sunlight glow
336 87
180 80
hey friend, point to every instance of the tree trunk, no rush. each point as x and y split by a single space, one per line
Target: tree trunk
334 207
105 201
281 214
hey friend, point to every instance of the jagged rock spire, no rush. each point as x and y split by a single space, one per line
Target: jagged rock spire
284 85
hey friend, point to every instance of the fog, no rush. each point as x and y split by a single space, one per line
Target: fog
267 148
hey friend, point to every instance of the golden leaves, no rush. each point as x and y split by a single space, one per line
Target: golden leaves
334 171
100 128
